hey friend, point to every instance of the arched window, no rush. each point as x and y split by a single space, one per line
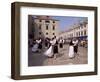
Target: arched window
81 33
40 27
53 27
53 33
46 33
84 32
39 33
46 27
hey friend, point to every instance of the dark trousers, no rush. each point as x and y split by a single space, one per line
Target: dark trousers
61 45
55 49
75 49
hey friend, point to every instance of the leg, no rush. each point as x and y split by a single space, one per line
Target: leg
54 56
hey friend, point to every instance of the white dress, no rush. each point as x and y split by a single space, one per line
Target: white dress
71 52
49 52
35 48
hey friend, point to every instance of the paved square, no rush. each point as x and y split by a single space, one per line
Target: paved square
39 59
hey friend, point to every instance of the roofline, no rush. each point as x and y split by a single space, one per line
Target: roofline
46 19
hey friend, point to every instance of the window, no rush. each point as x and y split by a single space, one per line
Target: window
47 21
40 27
77 34
47 16
53 21
53 27
85 23
46 33
40 20
84 32
53 33
46 27
81 33
39 33
72 35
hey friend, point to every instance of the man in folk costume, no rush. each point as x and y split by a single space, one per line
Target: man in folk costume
61 42
55 46
39 41
75 42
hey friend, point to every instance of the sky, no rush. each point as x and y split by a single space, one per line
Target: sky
66 22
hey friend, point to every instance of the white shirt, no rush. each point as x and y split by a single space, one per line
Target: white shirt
54 42
38 41
75 42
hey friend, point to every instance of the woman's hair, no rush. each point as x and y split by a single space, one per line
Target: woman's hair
53 38
71 43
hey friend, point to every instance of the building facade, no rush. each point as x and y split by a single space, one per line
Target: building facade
79 30
44 26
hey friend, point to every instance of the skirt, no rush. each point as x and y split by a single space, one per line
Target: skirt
71 52
75 49
35 48
49 52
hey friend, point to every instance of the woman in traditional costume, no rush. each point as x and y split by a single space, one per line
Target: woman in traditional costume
35 47
49 52
71 49
39 41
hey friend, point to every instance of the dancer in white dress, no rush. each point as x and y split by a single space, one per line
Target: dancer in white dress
35 47
71 50
49 52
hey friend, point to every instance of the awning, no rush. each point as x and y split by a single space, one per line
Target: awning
83 37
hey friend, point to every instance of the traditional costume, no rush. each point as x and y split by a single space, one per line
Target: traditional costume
35 47
55 46
75 46
49 51
71 50
39 44
61 43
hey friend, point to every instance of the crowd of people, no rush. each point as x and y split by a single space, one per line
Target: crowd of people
52 46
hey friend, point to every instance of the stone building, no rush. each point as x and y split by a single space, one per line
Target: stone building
79 30
43 26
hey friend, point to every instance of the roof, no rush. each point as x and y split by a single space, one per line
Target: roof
45 18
